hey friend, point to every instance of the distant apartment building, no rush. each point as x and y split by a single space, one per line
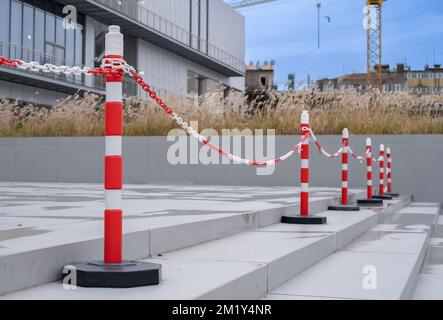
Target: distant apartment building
427 81
260 77
392 81
180 47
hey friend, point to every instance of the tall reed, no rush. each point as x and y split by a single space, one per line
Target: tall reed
362 113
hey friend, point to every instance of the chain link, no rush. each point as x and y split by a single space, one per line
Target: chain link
321 149
50 68
358 157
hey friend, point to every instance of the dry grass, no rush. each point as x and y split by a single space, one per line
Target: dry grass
369 113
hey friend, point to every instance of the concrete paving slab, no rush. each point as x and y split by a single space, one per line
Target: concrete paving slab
182 280
425 204
436 242
346 225
42 220
396 257
431 210
265 259
434 259
341 275
412 219
389 242
430 280
285 254
292 297
429 287
282 255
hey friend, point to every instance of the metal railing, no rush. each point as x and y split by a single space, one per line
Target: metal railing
137 12
13 51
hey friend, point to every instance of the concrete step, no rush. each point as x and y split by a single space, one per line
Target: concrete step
430 282
390 254
47 226
242 266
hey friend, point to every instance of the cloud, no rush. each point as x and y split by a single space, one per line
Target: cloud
287 32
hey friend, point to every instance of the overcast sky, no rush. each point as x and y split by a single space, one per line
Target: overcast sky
286 31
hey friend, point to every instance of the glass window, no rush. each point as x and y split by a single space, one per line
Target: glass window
59 55
39 35
28 27
49 53
70 46
60 32
16 22
50 28
4 21
35 30
79 45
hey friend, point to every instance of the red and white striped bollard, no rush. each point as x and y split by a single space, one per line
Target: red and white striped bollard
344 202
381 191
369 168
388 169
370 199
113 146
304 171
113 272
304 217
389 175
345 164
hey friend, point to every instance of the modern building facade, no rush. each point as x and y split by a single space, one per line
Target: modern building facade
427 81
182 47
392 81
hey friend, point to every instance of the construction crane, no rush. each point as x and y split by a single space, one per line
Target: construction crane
374 43
248 3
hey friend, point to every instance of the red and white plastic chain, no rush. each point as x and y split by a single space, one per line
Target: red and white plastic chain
11 63
118 66
377 160
204 140
34 66
321 149
361 158
358 157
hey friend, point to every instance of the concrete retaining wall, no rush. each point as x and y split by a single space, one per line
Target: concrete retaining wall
417 167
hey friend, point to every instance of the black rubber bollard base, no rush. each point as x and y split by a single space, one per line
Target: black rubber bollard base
303 220
393 195
128 274
370 202
383 197
343 207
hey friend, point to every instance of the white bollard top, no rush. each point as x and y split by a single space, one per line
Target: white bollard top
345 133
305 117
114 42
388 150
382 147
368 142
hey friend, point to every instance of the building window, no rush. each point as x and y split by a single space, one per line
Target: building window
263 81
39 34
28 27
16 23
4 22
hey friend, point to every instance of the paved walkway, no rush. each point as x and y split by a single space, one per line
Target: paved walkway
29 210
